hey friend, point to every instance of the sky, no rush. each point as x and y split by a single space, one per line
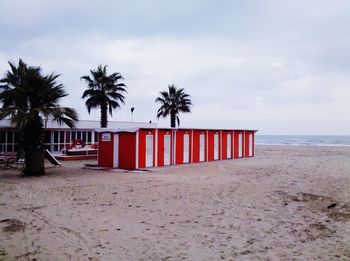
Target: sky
278 66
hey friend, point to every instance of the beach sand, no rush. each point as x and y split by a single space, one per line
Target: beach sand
286 203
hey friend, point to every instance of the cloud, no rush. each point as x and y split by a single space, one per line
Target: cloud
278 67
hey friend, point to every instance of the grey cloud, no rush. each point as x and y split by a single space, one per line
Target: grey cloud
278 66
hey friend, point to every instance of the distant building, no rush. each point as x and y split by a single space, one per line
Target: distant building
57 137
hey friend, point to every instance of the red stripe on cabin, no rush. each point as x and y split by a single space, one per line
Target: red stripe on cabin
142 146
211 135
127 153
161 149
105 151
196 145
180 145
224 145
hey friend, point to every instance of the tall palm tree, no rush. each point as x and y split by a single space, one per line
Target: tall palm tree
27 98
104 92
172 103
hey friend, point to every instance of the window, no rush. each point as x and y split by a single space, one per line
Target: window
59 140
2 136
96 137
62 137
55 137
8 141
10 137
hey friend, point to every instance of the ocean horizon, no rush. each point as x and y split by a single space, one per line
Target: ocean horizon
305 140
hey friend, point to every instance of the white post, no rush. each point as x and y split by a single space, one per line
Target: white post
115 150
191 150
207 146
174 147
137 150
156 148
220 145
232 144
243 144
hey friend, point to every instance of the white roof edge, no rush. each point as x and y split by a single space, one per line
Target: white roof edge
116 130
85 124
101 130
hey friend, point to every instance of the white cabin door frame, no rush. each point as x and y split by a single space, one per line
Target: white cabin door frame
186 158
116 150
240 145
149 151
228 146
216 146
167 149
250 144
201 147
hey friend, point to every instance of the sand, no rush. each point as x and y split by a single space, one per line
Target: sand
287 203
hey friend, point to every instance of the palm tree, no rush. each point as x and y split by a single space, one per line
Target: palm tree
104 92
172 103
27 98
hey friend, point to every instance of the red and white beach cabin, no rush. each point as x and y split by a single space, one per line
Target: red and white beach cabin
139 148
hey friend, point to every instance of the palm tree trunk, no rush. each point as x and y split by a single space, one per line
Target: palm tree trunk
34 163
33 147
172 120
104 116
20 150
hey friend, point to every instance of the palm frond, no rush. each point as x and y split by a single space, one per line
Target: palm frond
104 89
178 120
64 115
173 102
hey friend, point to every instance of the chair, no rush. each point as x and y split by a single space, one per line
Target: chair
8 162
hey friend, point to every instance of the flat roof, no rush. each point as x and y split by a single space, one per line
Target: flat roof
101 130
204 129
86 124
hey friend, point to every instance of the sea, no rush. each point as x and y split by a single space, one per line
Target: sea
306 140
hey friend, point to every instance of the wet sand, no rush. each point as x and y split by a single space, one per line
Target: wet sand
287 203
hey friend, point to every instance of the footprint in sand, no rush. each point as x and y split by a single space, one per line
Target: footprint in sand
13 225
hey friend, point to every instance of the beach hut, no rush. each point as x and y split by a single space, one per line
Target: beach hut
248 143
117 149
165 138
145 148
199 149
227 144
214 145
238 143
183 146
106 149
127 148
126 157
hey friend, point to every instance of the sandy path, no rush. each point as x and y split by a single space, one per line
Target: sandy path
287 203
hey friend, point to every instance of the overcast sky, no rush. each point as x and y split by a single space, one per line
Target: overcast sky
279 66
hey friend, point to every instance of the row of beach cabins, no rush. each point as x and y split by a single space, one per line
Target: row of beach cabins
138 148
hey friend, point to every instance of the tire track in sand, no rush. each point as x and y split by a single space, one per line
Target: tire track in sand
67 233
